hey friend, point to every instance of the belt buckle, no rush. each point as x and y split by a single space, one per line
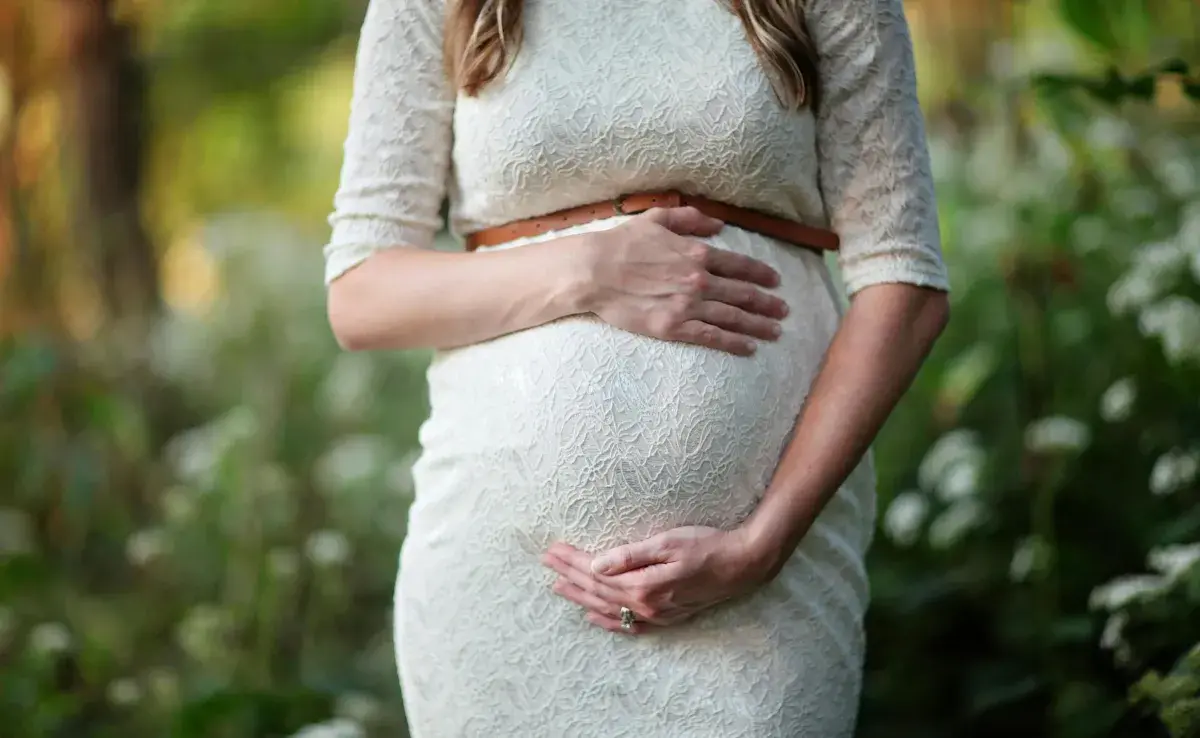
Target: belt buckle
618 204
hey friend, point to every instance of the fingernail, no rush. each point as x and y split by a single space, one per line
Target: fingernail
783 309
776 330
601 566
751 346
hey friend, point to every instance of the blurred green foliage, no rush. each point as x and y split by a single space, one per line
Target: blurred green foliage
202 514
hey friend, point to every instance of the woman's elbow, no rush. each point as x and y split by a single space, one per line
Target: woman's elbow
348 328
354 318
938 312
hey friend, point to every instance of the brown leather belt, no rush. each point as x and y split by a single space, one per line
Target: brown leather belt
750 220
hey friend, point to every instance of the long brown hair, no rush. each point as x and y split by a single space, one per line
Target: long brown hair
482 37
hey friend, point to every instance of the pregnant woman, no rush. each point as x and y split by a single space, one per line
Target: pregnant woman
644 493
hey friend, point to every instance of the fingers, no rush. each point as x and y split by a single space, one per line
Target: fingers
737 266
581 577
708 335
686 221
569 590
630 556
745 296
614 625
737 321
577 573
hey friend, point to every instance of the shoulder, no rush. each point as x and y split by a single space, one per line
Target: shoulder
405 21
829 16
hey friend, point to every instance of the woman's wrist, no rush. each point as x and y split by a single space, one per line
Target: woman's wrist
570 272
770 536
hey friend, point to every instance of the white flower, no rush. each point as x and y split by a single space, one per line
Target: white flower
328 548
146 546
1001 60
178 504
163 684
987 229
1089 233
204 632
1175 321
905 516
1110 638
194 455
958 447
241 423
1057 434
1031 556
336 728
349 390
50 638
1160 259
1131 291
1174 470
352 461
954 523
283 562
124 692
16 532
1123 590
1155 267
197 454
1174 561
1108 132
1136 202
1178 175
1116 404
961 480
357 707
179 349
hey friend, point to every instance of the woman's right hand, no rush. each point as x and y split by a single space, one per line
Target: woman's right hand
649 276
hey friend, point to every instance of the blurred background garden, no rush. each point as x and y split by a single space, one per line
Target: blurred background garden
202 497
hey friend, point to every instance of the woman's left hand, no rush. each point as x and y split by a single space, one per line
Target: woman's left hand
664 579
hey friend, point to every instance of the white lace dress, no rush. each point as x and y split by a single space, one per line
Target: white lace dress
581 432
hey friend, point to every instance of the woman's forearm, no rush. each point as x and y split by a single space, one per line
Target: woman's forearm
413 298
885 336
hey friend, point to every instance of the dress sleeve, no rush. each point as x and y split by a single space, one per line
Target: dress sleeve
873 157
397 150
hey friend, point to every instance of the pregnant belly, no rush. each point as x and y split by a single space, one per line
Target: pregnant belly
580 431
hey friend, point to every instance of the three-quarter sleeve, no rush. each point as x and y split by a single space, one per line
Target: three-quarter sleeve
397 150
873 156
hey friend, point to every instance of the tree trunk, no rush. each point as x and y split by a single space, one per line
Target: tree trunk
107 86
10 100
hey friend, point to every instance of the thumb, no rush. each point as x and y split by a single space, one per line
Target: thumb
685 221
629 557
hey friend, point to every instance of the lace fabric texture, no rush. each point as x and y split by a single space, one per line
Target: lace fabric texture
581 432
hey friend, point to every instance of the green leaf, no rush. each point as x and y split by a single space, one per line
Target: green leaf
1174 66
1143 87
1090 19
1112 89
251 712
967 373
